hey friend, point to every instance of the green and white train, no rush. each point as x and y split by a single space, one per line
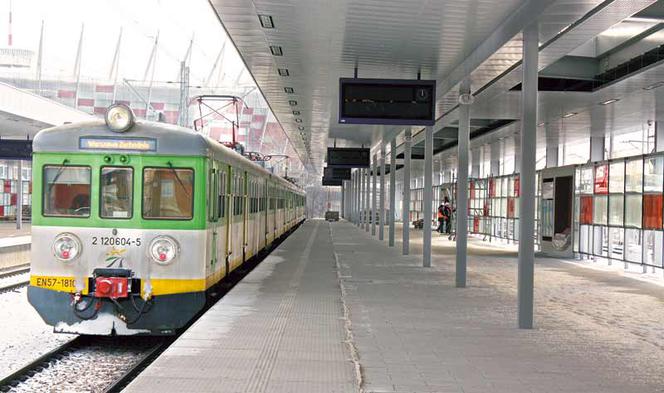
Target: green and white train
134 223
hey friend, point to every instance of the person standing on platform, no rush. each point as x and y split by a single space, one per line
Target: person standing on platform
447 215
441 218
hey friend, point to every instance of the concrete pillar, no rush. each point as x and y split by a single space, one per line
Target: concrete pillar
495 151
393 190
381 228
526 273
517 153
374 196
427 208
405 200
363 214
19 197
596 148
343 201
462 190
551 156
476 157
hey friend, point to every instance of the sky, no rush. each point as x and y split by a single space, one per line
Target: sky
175 21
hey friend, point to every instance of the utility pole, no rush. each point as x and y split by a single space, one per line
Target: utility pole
77 65
115 66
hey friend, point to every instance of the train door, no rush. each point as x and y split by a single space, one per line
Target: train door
236 228
222 231
212 210
262 214
271 224
245 214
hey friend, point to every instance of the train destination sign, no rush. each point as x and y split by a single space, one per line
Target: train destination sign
387 101
134 144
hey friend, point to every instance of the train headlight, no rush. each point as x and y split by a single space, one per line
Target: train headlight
67 247
119 118
163 249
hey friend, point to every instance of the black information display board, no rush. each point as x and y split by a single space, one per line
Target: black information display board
337 173
348 157
331 182
387 101
15 149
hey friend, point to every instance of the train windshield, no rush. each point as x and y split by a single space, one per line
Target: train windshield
168 193
66 191
116 192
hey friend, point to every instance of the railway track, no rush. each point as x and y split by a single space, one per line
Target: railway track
8 274
106 364
89 363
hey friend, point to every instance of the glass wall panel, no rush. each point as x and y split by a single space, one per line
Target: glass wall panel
602 179
633 175
617 177
633 210
652 211
616 242
653 171
601 240
586 210
616 207
652 251
633 245
585 237
600 210
586 182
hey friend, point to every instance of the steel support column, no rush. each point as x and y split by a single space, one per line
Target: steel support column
462 190
374 196
367 195
393 191
381 228
19 197
362 214
427 199
526 272
405 205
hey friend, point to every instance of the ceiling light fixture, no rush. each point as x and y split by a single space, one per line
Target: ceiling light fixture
569 114
541 124
654 85
276 50
298 120
283 71
289 90
296 113
266 21
292 102
301 128
611 101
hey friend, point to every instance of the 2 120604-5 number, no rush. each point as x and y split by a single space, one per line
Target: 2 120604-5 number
116 241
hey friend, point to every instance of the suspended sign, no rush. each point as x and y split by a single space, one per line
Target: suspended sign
11 149
337 173
387 101
344 157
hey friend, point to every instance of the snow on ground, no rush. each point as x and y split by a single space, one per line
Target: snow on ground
24 335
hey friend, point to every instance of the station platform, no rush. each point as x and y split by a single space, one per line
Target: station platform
334 310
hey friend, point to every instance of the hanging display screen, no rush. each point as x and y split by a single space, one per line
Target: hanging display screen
345 157
387 101
337 173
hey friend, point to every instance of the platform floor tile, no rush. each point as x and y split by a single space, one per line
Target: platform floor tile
280 330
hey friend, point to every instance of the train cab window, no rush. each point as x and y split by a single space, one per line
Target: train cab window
168 193
116 192
66 191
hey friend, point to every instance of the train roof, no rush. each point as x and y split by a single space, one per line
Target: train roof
168 140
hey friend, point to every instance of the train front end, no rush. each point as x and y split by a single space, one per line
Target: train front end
117 248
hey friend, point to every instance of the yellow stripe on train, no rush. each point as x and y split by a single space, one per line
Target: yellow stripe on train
57 283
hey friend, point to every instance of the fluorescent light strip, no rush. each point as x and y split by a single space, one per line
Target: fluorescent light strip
289 90
292 102
608 102
276 50
654 85
570 114
283 71
266 21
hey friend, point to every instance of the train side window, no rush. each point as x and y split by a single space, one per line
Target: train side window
221 196
168 193
66 191
117 190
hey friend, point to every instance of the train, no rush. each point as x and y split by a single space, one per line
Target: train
135 223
